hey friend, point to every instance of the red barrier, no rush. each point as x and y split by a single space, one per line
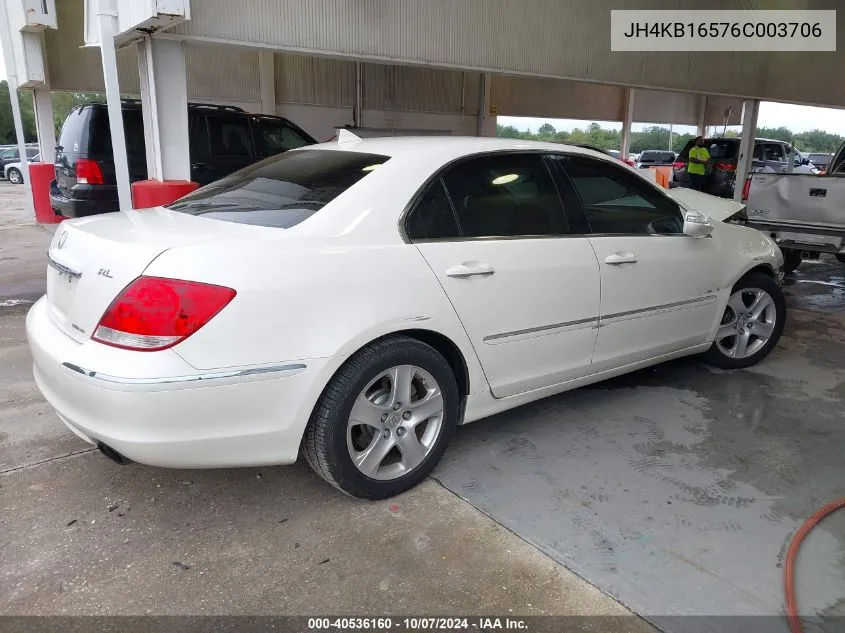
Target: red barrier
40 177
154 193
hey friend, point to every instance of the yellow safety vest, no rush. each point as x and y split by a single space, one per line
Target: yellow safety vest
700 153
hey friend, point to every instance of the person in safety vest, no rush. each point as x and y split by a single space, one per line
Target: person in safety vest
697 167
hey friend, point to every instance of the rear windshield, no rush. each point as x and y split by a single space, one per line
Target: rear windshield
723 148
133 130
70 139
657 157
281 191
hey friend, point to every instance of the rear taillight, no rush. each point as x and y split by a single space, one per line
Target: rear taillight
725 166
629 162
678 165
88 172
746 188
153 313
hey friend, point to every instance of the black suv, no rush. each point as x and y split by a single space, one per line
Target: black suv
222 139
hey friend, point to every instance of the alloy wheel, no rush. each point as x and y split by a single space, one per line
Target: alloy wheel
748 323
395 422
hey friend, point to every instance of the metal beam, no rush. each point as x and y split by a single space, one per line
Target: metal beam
267 81
107 22
750 110
627 120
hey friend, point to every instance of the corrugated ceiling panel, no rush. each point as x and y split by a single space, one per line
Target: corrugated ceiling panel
556 98
558 38
413 88
314 80
222 72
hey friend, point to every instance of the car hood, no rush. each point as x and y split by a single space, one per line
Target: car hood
719 209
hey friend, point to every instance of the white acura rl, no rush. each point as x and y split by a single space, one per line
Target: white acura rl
355 301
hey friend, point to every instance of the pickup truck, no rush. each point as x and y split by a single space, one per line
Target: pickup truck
803 213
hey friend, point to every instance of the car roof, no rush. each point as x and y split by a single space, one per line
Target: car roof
448 148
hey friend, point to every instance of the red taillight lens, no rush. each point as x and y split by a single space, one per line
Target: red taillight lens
629 162
725 166
678 165
746 188
153 313
88 172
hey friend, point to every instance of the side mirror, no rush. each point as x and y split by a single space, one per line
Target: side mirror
697 225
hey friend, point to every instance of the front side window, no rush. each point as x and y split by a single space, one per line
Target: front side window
278 137
615 202
281 191
505 195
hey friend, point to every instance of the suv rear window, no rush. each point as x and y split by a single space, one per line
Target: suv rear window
723 148
281 191
133 130
73 129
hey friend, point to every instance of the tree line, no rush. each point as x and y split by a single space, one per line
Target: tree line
63 103
657 137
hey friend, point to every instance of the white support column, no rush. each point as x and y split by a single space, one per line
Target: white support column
267 81
164 106
702 116
107 19
12 82
42 99
486 124
627 120
750 110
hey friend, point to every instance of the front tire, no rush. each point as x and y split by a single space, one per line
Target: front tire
751 324
15 176
384 420
841 258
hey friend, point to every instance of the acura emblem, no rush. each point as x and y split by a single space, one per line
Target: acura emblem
62 240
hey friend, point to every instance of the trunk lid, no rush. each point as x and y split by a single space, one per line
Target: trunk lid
92 259
719 209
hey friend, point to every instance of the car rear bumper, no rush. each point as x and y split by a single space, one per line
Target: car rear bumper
91 201
231 417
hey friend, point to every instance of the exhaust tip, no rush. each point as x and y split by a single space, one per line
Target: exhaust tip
113 455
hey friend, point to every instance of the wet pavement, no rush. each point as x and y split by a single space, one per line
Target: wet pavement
677 489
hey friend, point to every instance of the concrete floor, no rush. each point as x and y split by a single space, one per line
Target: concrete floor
677 489
674 490
80 535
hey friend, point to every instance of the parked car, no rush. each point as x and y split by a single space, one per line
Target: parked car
222 139
801 212
249 322
655 158
770 155
13 155
12 171
820 160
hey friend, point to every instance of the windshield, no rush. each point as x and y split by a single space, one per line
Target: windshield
281 191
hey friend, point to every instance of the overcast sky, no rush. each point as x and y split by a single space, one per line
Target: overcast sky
796 118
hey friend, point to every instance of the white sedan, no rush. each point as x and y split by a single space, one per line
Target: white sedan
12 171
355 301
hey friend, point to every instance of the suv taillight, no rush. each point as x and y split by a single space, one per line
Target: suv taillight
88 172
725 166
746 187
154 313
678 165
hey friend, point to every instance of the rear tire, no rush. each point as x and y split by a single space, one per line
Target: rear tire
791 261
15 176
751 324
841 258
387 446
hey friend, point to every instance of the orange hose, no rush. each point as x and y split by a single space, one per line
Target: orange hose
792 554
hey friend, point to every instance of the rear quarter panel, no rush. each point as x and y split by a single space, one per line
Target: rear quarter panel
311 301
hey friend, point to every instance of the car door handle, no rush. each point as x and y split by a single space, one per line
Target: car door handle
462 271
620 258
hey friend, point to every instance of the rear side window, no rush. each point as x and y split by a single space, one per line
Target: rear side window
277 136
281 191
432 217
505 195
99 142
230 136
